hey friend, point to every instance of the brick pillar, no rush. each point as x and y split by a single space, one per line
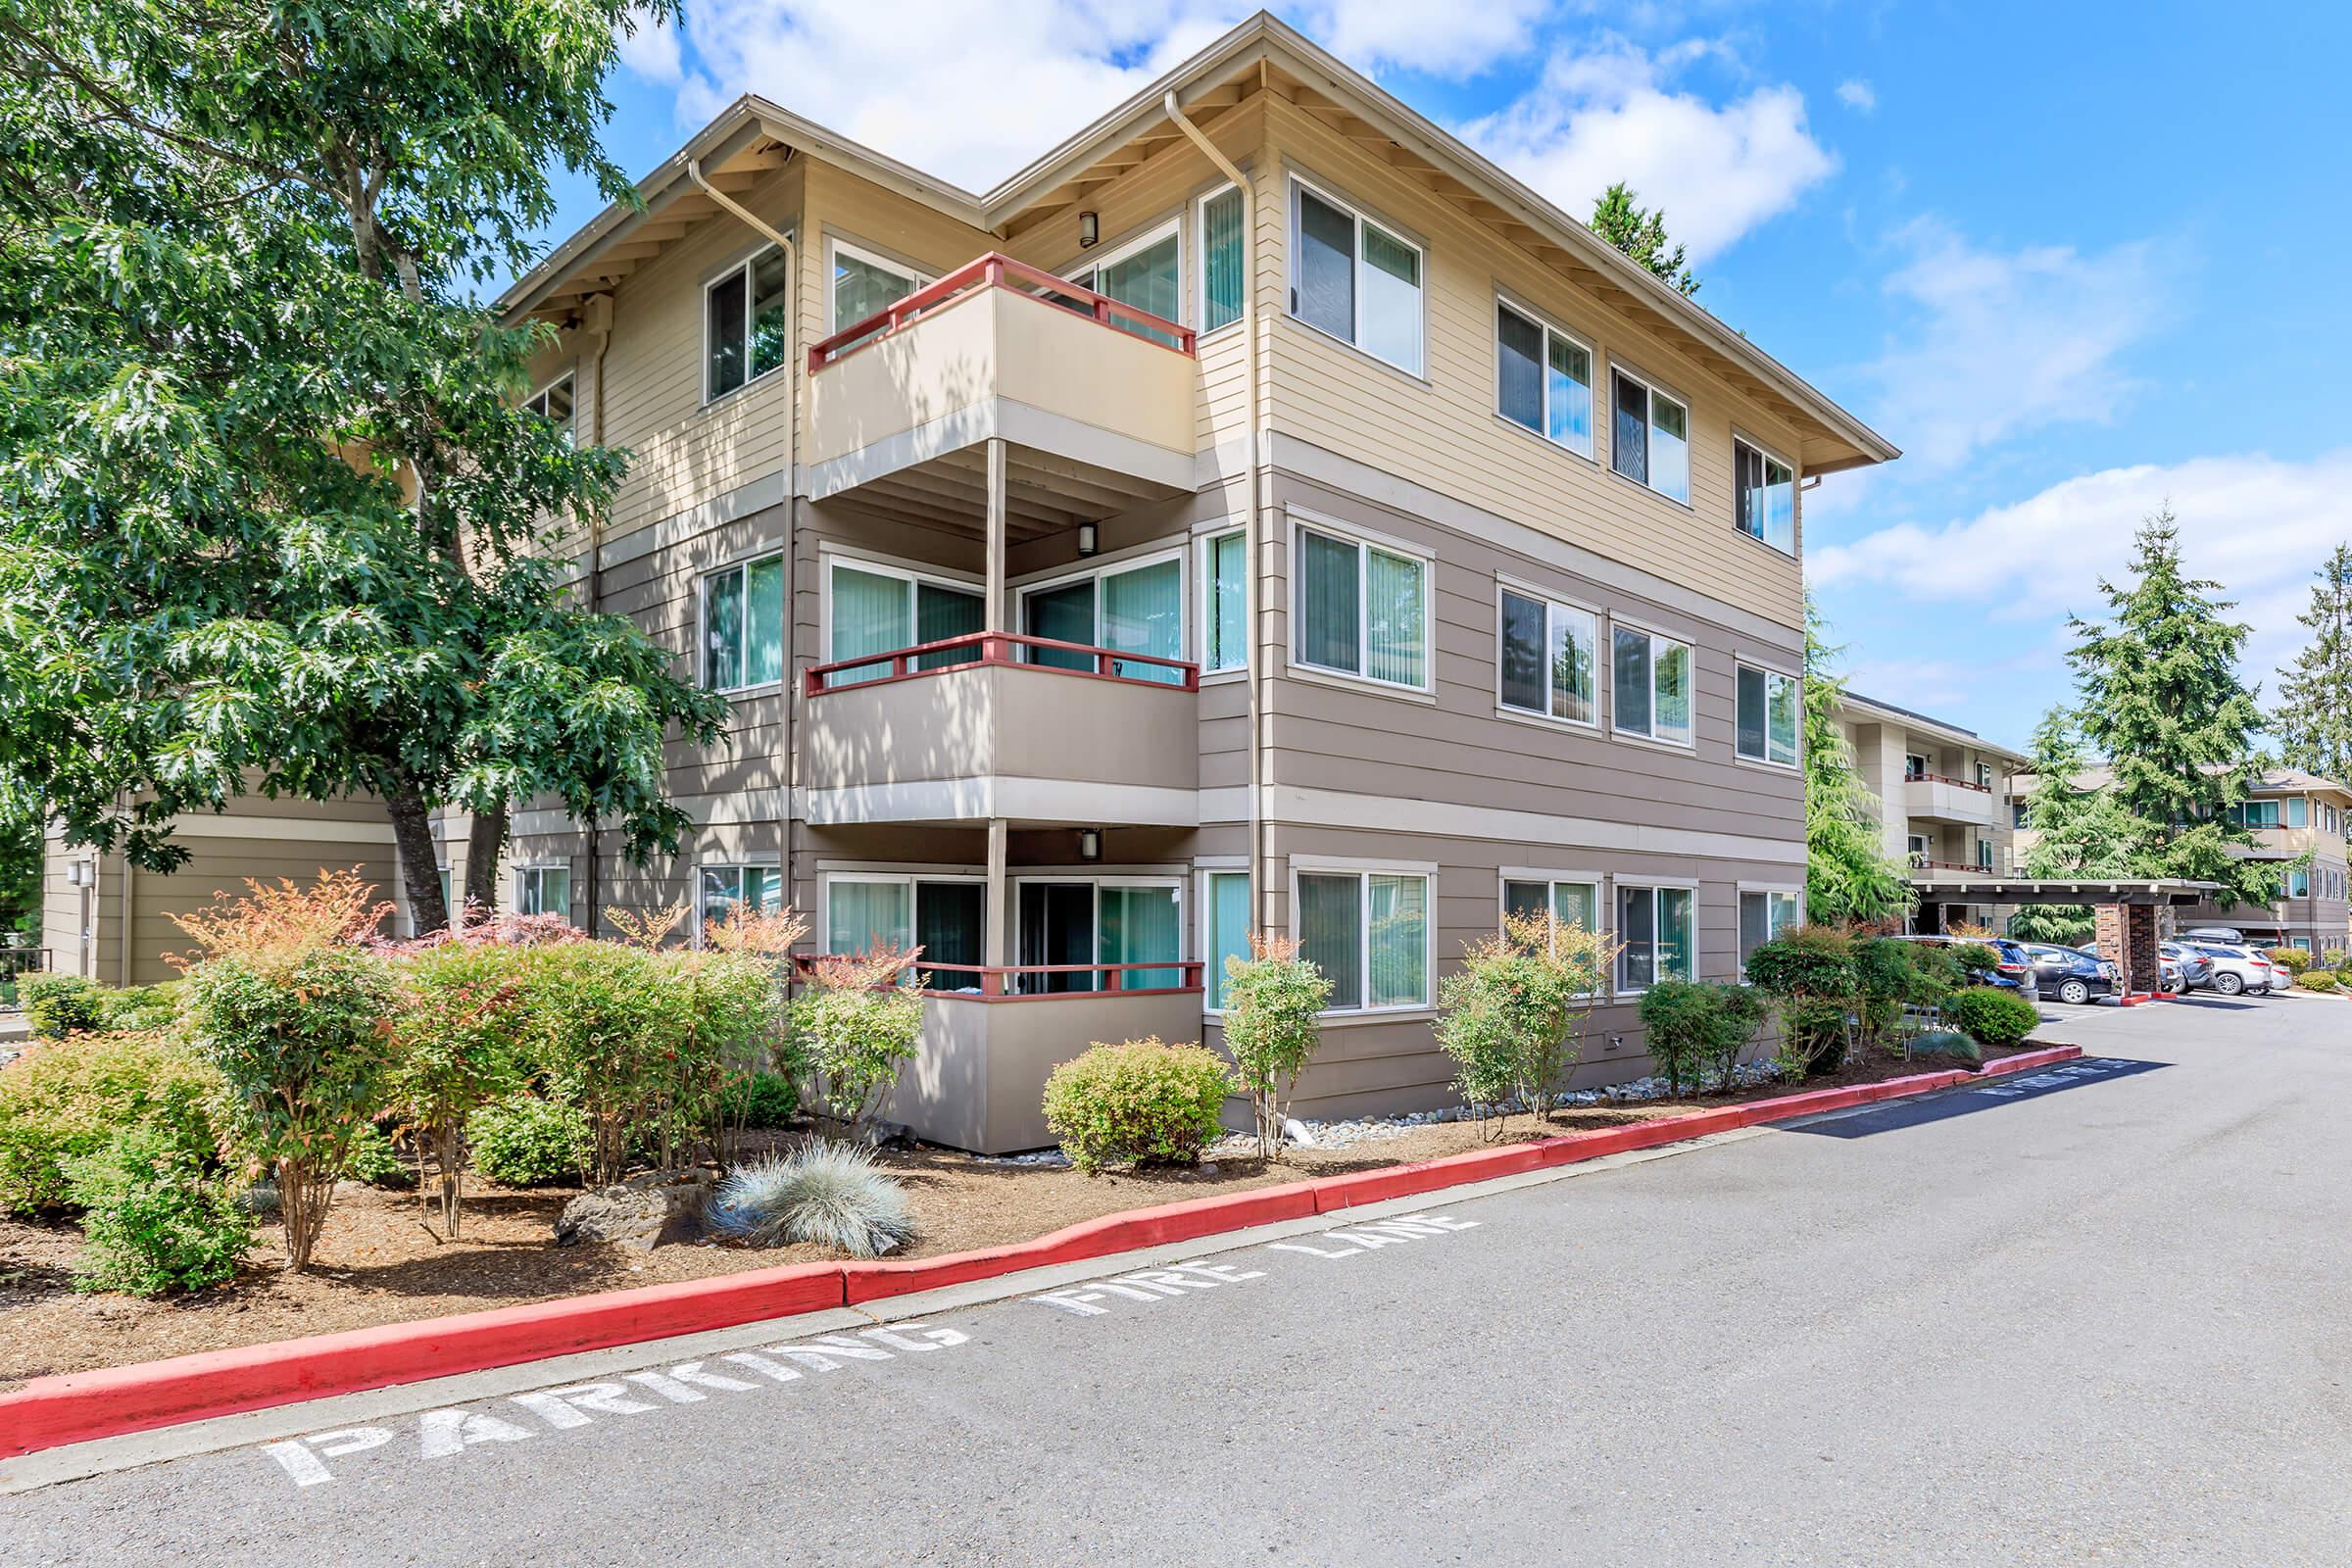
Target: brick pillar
2125 937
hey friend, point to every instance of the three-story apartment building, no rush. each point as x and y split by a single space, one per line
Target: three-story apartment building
1943 795
1260 515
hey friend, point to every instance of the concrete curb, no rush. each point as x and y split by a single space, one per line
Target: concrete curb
76 1407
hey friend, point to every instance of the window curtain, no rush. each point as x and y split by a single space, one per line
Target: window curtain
1228 927
1222 260
723 631
1576 903
1570 370
1326 293
1521 899
1152 280
861 288
1141 925
1229 603
941 613
1397 619
763 889
1399 940
1523 640
763 621
1058 926
1519 360
864 915
872 614
947 922
1572 661
1143 613
1392 313
1067 615
1328 586
1330 934
1632 682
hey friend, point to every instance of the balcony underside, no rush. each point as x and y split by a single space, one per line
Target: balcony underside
1045 491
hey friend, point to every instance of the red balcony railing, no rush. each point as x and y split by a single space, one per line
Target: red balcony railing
1002 982
999 271
1938 778
999 648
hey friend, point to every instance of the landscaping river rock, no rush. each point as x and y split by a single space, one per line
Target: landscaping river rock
659 1208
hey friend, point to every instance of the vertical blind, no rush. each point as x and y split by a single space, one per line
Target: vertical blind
1330 933
1229 601
1228 927
1394 618
1143 613
1140 925
1222 252
1329 608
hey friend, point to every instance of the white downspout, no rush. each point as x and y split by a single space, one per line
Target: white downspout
1253 529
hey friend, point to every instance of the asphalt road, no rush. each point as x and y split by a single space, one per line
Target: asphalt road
2098 1316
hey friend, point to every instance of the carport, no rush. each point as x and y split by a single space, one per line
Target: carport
2125 912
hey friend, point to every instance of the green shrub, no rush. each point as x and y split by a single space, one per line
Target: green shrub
2317 980
1991 1015
1512 1017
1136 1103
853 1027
1975 958
529 1142
464 1015
60 1005
609 1034
372 1159
1946 1043
1273 1002
2294 960
70 1098
1696 1029
140 1007
761 1099
1813 1036
1808 961
154 1219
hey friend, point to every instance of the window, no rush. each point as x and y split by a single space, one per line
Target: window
2254 813
1112 921
1135 608
1226 912
1146 273
1543 380
1917 844
743 625
543 890
1361 610
1765 497
553 402
942 915
2019 814
2298 884
744 323
1369 933
1985 776
2303 944
1225 600
1913 765
1224 257
1768 701
875 609
1651 442
1764 915
1654 924
1984 854
1569 902
1652 685
2298 811
721 888
1353 278
1549 658
863 284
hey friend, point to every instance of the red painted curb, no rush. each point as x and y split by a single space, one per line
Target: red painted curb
76 1407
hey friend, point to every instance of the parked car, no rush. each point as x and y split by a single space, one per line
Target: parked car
2194 968
2228 935
2072 975
2016 969
2237 970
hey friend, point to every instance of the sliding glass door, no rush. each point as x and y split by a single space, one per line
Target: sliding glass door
1137 610
1102 923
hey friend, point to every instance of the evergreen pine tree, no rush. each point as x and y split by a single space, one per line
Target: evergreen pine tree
1642 234
1848 876
2162 699
2079 831
2314 720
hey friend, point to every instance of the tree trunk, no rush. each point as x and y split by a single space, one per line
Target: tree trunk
483 842
419 858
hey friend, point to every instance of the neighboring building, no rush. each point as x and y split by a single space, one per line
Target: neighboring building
2291 813
1943 795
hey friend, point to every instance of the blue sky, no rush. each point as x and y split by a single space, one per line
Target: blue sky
2074 258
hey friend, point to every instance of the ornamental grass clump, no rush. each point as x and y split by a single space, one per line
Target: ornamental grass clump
830 1193
292 1008
1137 1103
1273 1003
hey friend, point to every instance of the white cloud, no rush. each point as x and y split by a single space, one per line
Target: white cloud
1611 112
1856 94
651 50
1443 40
2256 524
1999 344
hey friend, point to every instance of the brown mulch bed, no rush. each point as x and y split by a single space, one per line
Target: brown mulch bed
380 1260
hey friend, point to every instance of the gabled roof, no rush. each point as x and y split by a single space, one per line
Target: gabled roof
1856 706
1284 61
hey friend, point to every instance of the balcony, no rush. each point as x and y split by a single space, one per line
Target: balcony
1093 398
997 724
1933 798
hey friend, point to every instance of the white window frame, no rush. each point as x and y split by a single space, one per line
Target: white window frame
1911 775
536 403
1206 575
1655 389
1770 674
1918 848
741 268
738 865
1765 449
1092 262
1363 540
1360 215
1553 605
1765 890
1112 567
836 246
1199 291
875 567
534 873
1592 362
1650 736
740 566
827 880
1618 887
1363 871
1552 881
1985 776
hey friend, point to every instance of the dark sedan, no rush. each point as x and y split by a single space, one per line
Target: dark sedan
2071 975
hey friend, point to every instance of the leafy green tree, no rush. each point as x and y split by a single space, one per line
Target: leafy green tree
21 850
2313 724
1849 878
272 518
1641 234
2079 830
1274 1000
2163 702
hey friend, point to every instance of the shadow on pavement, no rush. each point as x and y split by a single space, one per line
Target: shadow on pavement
1974 1097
